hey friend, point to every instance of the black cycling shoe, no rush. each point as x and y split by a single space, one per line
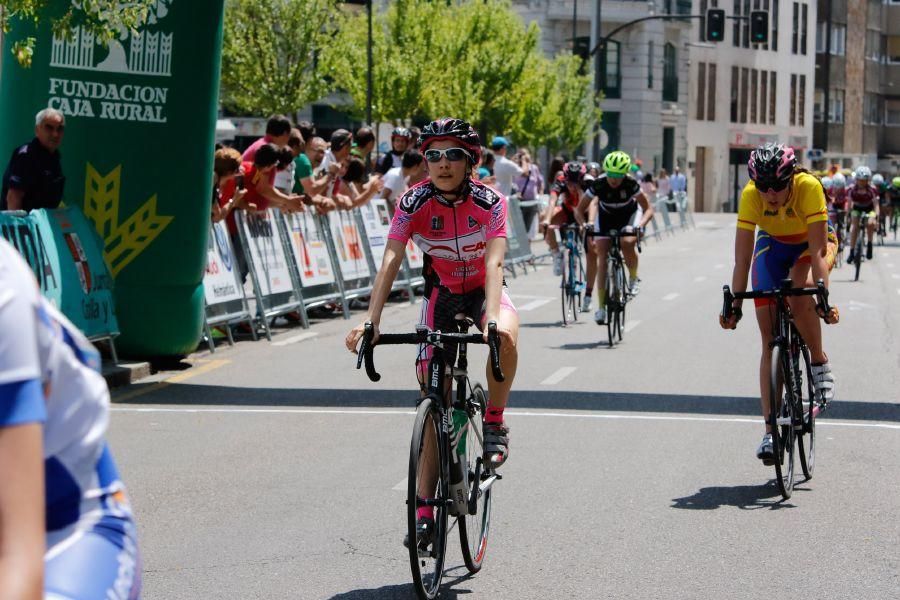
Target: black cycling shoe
869 250
424 533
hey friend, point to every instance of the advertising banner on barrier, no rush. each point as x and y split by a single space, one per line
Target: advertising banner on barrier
310 250
221 283
267 253
347 242
518 246
65 253
377 221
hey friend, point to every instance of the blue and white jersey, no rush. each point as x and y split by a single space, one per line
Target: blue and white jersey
49 373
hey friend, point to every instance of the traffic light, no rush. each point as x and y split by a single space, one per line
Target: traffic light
715 24
759 26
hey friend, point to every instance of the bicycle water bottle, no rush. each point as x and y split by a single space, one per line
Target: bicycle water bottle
458 471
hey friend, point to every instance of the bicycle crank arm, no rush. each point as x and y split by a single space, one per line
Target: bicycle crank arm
487 483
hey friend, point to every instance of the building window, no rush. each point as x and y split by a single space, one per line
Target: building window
804 24
793 113
838 39
821 29
754 97
836 108
773 19
773 93
818 105
892 112
701 91
650 65
611 73
711 93
763 95
801 102
892 49
704 6
740 29
745 75
873 109
735 83
874 44
670 73
795 29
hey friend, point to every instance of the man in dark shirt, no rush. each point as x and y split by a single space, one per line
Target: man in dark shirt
34 178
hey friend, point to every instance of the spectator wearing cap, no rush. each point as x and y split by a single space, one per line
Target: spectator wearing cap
506 170
278 132
34 177
363 144
410 172
400 139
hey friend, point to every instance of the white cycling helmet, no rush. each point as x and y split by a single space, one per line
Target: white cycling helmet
863 173
878 180
826 183
839 181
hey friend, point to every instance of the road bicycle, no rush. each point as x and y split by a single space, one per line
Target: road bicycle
617 294
840 216
895 221
858 248
793 419
573 276
448 423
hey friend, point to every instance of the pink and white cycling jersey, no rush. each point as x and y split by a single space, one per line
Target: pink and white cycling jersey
454 235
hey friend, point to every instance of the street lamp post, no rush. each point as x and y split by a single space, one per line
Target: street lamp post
369 65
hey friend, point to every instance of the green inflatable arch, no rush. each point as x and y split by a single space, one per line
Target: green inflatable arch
137 154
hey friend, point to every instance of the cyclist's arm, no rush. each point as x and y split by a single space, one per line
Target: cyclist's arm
583 205
22 541
381 289
493 282
644 203
743 252
15 199
817 236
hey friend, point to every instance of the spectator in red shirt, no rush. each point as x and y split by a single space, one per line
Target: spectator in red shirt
278 132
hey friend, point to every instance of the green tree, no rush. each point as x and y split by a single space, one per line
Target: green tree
578 105
105 19
401 36
270 53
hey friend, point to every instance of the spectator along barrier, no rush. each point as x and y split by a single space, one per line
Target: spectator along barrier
66 255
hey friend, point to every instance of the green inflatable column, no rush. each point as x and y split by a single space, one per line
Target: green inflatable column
137 154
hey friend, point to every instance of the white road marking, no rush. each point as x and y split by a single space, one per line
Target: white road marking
671 296
534 304
630 325
558 375
297 338
401 487
706 224
603 416
699 278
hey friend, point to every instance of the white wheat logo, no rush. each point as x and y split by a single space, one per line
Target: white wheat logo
148 53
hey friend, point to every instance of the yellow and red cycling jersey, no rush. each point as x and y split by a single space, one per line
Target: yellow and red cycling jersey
788 224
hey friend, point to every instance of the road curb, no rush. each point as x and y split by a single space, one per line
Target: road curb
123 374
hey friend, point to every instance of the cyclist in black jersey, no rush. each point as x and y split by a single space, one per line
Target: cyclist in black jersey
614 200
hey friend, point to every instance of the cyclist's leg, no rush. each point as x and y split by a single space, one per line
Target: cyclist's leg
871 225
96 557
558 218
854 228
498 392
629 247
765 314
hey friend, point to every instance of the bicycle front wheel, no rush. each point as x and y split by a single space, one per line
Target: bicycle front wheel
474 528
611 303
426 481
806 441
623 300
858 255
781 419
564 287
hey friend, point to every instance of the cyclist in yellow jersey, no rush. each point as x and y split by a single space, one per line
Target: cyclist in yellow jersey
787 205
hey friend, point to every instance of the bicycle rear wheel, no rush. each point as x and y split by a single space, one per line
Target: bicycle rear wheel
564 286
623 300
611 303
806 440
781 420
474 528
426 564
857 251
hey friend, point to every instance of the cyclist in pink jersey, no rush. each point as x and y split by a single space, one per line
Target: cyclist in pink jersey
460 225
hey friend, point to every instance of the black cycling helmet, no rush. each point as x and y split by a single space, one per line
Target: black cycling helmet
451 129
401 132
574 172
771 166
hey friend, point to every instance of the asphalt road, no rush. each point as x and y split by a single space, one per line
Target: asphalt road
277 470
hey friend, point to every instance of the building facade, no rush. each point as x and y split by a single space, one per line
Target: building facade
744 94
858 79
643 71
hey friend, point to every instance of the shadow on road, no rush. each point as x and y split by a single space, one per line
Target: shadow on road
746 497
209 395
390 592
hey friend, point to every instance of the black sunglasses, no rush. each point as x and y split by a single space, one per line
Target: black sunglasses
771 186
434 155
